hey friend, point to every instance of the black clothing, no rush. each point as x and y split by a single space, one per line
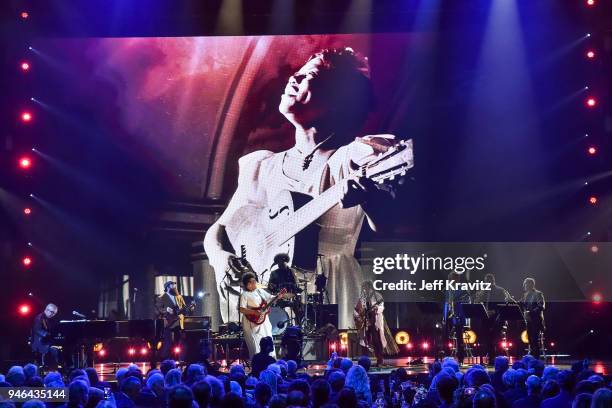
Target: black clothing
281 278
534 305
260 362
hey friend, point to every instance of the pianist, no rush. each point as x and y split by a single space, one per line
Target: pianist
41 336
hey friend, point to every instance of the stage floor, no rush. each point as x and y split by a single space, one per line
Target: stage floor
413 365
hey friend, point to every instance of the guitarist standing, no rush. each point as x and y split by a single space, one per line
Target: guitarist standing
251 301
327 101
173 308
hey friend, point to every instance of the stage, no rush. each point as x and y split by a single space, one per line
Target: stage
415 367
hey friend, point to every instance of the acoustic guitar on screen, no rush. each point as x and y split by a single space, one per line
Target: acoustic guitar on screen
288 224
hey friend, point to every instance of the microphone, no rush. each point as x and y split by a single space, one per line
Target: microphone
77 314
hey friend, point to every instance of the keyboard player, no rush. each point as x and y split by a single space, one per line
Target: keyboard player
42 329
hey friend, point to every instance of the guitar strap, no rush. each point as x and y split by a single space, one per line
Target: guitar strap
180 302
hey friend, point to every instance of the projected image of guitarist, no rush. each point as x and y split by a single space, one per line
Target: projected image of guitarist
255 306
312 198
173 308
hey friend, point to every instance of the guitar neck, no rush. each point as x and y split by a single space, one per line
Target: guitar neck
308 214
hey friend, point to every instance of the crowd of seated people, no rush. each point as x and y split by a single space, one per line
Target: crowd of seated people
527 383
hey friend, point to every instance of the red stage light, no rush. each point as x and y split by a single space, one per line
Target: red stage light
591 102
177 350
590 54
333 346
24 15
24 309
592 150
25 162
593 200
342 346
504 344
509 344
450 345
144 351
409 346
102 352
25 66
131 351
590 2
27 211
596 298
552 344
594 249
26 117
27 261
425 345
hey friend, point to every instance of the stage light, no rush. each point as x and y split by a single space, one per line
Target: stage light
143 351
592 150
24 309
524 337
590 2
27 211
333 346
24 15
504 344
342 346
402 337
343 338
29 244
425 345
131 351
26 117
409 346
592 200
102 353
25 162
200 294
591 102
26 261
469 337
594 249
596 298
590 54
450 345
177 350
25 66
510 344
552 344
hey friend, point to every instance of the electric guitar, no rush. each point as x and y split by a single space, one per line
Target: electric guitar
289 221
264 309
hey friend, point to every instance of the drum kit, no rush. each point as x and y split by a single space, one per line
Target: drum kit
294 310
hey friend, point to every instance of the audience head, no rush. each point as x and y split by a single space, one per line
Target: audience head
347 398
446 386
346 364
484 399
156 384
131 387
582 400
475 377
166 366
566 380
509 378
120 374
262 394
358 380
180 396
602 398
201 393
501 364
30 370
173 377
269 377
365 362
550 373
278 401
319 391
291 367
450 362
217 390
195 372
232 400
33 404
533 384
550 389
78 393
266 345
15 376
336 380
297 398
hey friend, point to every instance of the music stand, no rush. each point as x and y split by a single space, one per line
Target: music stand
510 311
474 311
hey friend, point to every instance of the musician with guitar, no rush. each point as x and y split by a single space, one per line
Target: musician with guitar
255 306
173 308
371 325
313 197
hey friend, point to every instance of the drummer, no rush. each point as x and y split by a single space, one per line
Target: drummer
283 277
